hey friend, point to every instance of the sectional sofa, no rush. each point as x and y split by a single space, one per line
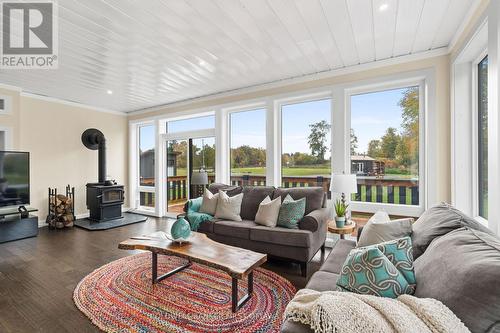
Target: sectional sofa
457 261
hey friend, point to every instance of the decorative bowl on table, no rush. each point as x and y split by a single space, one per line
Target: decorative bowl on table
180 231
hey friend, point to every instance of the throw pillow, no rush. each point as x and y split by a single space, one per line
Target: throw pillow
209 203
368 271
400 253
229 208
268 212
291 212
380 228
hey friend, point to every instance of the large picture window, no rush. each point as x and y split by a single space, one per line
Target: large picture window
385 146
306 143
248 147
482 155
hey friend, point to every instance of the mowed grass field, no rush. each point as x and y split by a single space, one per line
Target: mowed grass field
298 172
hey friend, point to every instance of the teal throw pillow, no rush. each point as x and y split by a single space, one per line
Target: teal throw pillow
400 253
291 212
368 271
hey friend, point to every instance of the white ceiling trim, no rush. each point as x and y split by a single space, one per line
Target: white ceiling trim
465 23
70 103
300 79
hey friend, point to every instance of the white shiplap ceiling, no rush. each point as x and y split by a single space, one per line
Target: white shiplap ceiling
154 52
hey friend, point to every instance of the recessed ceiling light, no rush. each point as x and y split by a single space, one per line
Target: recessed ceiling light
383 7
110 92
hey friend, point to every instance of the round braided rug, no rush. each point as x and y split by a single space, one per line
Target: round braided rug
119 297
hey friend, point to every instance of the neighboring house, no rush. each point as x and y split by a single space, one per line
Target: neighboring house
366 166
147 165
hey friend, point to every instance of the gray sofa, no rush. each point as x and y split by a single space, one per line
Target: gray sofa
297 245
457 261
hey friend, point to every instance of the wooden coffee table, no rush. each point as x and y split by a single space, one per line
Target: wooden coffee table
238 263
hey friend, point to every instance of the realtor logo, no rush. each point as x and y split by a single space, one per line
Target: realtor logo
29 31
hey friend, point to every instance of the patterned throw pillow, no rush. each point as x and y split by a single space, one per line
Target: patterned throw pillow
291 212
400 253
368 271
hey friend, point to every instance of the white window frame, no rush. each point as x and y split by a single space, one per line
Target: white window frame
181 135
340 136
425 82
255 106
464 123
475 136
134 160
297 98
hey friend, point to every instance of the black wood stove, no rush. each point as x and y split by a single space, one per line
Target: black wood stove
105 198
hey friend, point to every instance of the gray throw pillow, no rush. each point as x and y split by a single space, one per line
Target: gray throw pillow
380 228
438 221
462 270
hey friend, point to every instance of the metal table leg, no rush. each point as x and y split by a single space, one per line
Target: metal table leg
154 266
238 303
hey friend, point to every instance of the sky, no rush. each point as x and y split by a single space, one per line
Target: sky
371 115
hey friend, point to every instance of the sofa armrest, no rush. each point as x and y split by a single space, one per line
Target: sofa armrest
315 220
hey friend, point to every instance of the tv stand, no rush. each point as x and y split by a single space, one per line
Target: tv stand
14 227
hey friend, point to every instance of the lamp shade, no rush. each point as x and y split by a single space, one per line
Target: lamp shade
343 183
199 178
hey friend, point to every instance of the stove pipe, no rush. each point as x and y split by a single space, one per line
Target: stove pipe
93 139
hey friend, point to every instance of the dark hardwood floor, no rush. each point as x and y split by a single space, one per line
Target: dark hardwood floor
38 275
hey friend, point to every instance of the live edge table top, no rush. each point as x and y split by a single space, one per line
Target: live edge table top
235 261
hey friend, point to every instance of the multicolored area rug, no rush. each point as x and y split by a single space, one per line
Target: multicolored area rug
119 297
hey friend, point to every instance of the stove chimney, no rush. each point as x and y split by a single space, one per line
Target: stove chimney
93 139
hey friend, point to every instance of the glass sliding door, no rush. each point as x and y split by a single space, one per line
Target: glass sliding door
186 159
202 152
177 171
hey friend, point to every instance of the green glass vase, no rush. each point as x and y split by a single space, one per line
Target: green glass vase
180 229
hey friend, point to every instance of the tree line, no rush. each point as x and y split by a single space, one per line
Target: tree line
397 149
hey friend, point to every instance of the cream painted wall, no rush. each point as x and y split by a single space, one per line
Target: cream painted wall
440 65
10 121
51 132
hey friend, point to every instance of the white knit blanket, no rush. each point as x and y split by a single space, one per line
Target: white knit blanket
344 312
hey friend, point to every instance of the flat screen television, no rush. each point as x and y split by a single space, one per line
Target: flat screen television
14 178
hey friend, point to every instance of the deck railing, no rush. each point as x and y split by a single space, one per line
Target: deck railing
386 189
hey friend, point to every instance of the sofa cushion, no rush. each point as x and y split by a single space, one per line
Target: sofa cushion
368 271
338 255
282 236
323 281
438 221
380 228
291 212
267 214
462 270
314 196
238 229
229 208
209 202
206 227
252 197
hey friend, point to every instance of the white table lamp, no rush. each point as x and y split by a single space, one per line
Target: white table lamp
344 184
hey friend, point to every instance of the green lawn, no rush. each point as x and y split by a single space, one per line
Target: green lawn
299 171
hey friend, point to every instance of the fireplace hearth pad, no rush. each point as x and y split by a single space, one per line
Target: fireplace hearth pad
128 218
